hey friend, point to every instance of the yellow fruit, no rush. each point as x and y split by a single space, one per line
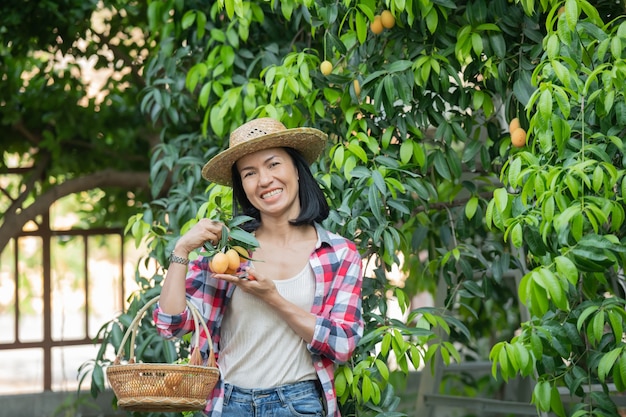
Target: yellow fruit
357 87
326 67
514 124
377 26
387 19
243 253
233 259
518 137
219 263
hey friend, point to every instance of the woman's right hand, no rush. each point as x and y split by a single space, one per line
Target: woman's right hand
204 230
172 299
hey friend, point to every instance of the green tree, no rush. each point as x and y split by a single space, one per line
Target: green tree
71 79
563 203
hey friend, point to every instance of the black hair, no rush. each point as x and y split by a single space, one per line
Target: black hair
313 204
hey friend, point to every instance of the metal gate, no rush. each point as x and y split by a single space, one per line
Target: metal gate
57 288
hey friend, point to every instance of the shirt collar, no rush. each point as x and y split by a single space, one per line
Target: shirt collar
323 237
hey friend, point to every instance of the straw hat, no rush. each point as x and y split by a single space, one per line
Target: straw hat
259 134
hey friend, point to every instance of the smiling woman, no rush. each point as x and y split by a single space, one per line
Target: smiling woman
303 290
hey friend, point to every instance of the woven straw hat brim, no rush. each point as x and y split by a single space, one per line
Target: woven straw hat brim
308 141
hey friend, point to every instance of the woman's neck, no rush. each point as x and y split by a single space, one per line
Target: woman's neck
284 233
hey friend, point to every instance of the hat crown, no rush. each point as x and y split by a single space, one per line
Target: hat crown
255 129
259 134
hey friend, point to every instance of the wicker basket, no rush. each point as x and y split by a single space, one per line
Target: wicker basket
163 386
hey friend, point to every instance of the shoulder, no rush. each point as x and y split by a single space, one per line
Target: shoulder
334 241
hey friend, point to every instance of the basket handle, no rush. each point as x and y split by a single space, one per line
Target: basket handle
195 357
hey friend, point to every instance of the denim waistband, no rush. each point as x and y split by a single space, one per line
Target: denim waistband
280 393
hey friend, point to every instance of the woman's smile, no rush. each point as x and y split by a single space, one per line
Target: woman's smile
271 193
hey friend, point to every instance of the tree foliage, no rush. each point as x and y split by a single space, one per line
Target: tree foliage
563 204
71 76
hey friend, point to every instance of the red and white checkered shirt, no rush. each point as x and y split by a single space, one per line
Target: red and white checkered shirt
337 305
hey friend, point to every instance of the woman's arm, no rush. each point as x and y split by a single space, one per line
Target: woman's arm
172 299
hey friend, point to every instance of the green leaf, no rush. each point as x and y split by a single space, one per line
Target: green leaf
386 344
607 362
240 235
382 369
597 326
406 151
545 105
517 237
188 19
357 150
441 166
501 198
539 303
556 403
542 395
97 378
619 373
470 207
583 316
399 66
561 72
566 268
379 182
548 281
514 171
616 324
340 383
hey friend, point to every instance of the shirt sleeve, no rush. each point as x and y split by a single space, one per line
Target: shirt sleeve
205 293
339 325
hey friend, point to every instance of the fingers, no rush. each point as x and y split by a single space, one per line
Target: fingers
239 279
247 274
203 231
211 230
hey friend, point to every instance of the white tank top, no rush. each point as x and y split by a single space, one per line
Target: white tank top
257 348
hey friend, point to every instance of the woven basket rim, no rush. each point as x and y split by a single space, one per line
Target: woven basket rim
167 404
159 365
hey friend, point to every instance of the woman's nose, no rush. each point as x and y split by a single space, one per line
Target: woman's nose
265 177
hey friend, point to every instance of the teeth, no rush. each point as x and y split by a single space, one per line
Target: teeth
272 193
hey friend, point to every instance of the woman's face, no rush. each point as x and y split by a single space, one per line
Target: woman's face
270 181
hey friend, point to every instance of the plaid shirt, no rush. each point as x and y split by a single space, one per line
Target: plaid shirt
337 306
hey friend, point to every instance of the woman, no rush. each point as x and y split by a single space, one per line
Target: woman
278 335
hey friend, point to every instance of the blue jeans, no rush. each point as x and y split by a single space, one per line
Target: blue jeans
299 399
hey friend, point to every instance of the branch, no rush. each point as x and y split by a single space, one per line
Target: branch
451 204
14 221
20 128
35 175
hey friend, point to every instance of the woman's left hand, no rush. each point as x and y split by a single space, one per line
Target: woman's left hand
252 282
